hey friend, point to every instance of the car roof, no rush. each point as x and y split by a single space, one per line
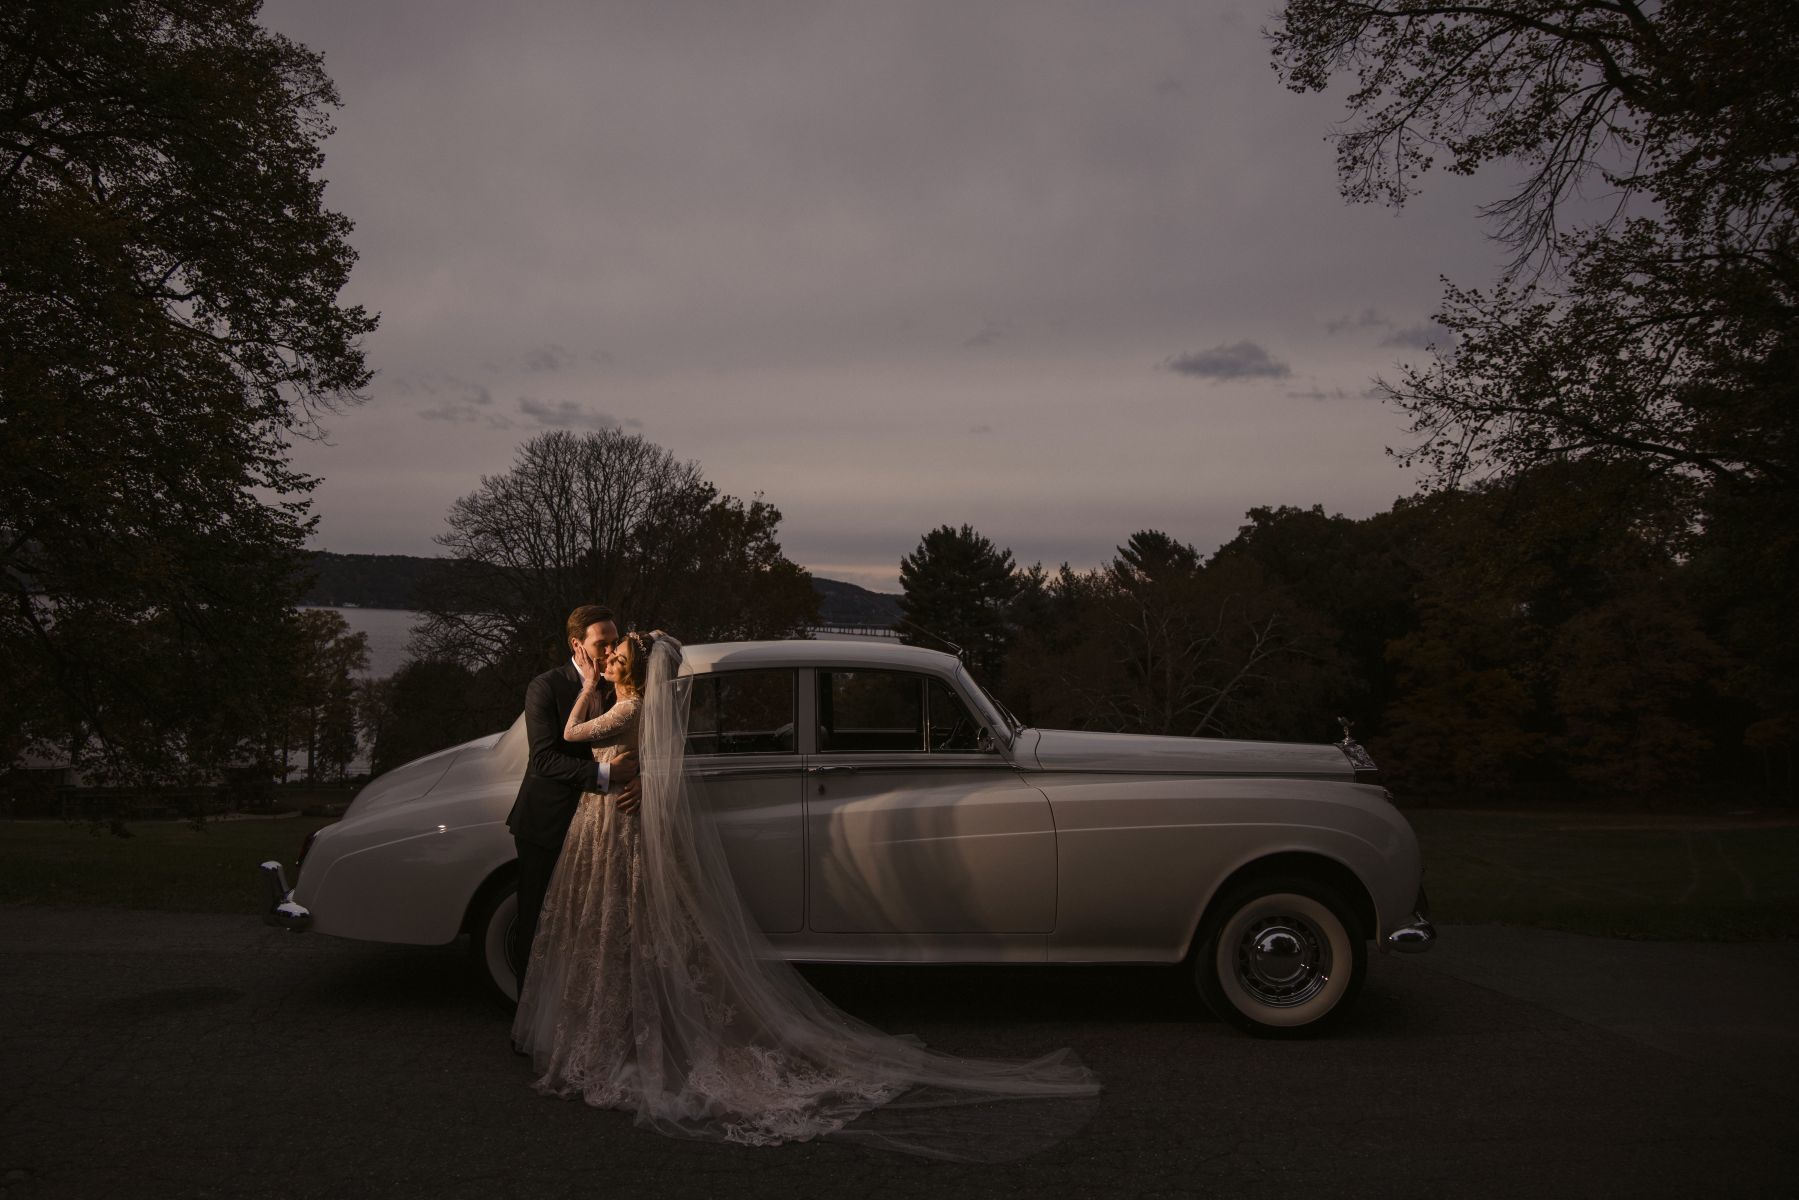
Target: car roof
721 656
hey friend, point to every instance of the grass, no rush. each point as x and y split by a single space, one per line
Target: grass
1613 874
167 865
1636 875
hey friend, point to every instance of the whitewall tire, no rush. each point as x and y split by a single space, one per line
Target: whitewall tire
1280 957
490 933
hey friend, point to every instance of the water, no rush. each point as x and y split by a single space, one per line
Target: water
388 630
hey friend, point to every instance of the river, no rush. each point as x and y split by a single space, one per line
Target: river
388 630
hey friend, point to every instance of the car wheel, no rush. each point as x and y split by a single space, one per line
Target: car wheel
1280 957
490 933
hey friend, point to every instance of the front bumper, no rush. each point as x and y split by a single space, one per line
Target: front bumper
1416 935
281 908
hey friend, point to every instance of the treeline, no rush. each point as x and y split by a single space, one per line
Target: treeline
398 581
1566 634
366 580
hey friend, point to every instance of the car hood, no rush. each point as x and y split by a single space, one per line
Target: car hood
418 777
1072 750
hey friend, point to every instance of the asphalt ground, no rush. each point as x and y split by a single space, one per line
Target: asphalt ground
158 1054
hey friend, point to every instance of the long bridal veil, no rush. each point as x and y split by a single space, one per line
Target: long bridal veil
735 1045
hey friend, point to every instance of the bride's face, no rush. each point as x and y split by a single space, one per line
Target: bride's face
618 665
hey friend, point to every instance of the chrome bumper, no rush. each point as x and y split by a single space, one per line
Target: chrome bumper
1414 937
281 909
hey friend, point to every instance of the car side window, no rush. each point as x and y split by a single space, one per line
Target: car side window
864 711
869 711
741 712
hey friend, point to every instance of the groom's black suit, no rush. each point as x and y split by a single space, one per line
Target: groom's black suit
556 773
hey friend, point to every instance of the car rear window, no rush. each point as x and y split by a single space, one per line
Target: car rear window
742 712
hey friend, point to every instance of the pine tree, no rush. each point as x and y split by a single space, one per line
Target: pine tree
961 588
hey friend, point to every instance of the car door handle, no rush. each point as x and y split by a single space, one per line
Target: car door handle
828 769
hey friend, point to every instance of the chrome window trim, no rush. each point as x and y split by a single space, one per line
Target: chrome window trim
953 682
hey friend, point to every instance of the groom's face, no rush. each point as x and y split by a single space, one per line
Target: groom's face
599 640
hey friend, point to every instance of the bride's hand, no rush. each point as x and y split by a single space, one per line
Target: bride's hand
588 668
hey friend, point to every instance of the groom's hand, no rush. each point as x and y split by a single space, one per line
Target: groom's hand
629 796
623 769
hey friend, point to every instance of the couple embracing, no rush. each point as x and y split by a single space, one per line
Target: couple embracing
646 984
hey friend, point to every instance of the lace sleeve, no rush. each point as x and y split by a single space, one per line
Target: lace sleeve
608 727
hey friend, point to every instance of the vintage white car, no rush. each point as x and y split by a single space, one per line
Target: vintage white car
878 806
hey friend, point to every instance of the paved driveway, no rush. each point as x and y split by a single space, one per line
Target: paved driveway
150 1054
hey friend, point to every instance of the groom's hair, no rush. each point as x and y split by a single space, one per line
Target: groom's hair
587 614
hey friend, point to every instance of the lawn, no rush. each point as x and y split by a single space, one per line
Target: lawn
1613 874
166 865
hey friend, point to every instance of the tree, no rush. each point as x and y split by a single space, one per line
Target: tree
1666 331
604 517
1158 642
429 704
168 321
959 587
321 703
1361 577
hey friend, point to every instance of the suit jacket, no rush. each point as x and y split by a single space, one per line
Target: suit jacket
557 772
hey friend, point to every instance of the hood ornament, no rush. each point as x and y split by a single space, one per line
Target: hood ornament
1360 760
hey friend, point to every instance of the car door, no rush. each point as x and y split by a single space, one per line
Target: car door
915 823
745 759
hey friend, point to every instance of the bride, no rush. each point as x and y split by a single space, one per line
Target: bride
652 989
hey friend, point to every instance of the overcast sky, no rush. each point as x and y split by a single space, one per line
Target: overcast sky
1061 272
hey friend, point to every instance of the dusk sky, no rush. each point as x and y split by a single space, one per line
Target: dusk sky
1058 271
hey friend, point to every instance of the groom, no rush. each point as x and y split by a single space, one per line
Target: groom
557 772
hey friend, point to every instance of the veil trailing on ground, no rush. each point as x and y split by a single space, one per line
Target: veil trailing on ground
737 1046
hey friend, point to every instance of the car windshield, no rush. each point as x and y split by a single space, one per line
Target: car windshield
994 707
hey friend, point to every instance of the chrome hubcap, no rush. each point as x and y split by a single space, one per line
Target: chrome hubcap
1283 960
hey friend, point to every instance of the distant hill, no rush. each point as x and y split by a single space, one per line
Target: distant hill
367 580
392 581
847 604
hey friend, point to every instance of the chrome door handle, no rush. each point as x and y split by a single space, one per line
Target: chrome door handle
822 770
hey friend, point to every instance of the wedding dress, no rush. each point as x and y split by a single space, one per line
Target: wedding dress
652 989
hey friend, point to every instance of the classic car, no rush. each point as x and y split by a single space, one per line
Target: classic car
878 806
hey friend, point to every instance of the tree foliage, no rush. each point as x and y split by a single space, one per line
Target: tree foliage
1159 642
320 700
1562 633
958 587
605 517
429 704
1664 331
168 320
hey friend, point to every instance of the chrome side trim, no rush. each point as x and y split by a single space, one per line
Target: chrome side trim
282 910
921 760
790 768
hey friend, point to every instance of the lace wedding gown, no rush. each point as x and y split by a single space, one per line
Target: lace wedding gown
574 1014
652 989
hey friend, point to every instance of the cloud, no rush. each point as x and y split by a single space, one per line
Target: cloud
1320 394
565 414
1240 360
990 333
1368 318
548 357
470 403
1420 337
